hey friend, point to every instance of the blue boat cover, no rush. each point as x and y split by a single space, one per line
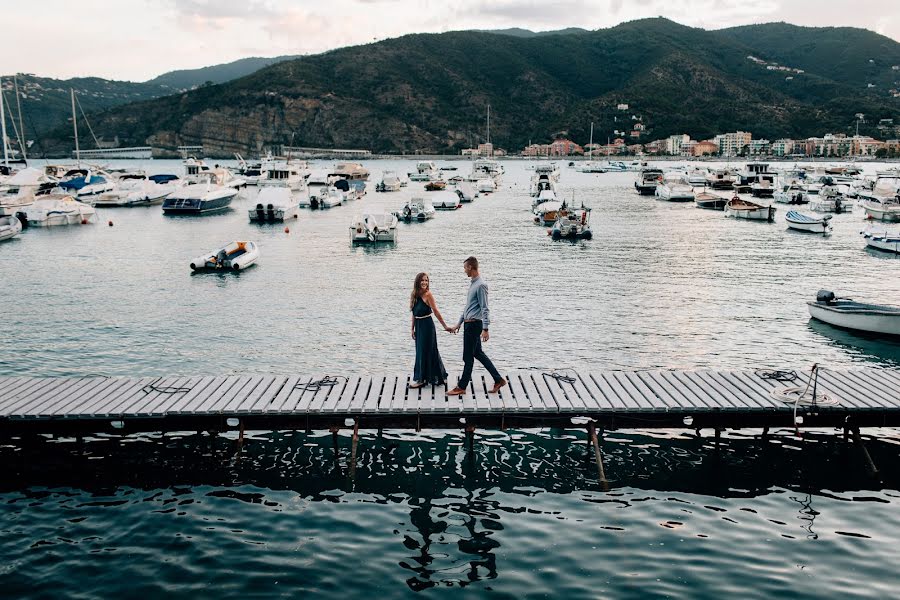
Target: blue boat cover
797 217
79 182
163 178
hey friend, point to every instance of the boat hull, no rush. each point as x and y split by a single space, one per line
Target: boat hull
861 320
198 206
10 227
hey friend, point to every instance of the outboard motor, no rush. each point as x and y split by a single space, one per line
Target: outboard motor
260 213
825 297
270 212
23 218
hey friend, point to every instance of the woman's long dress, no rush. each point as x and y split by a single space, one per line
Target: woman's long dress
429 366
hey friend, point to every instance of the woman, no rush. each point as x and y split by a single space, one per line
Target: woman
429 366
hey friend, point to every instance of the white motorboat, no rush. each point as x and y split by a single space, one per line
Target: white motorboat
54 210
721 179
801 222
202 197
446 200
880 237
274 204
790 193
882 202
697 176
285 174
541 182
10 227
196 171
317 186
710 201
466 191
647 181
373 228
236 256
91 184
674 188
332 197
572 225
426 170
829 200
544 197
20 190
486 185
744 209
845 313
417 209
134 192
390 182
547 213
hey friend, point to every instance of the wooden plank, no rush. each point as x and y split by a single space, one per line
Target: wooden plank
34 391
77 405
534 397
689 395
262 396
298 400
612 395
48 405
515 399
477 399
889 388
642 391
315 402
330 402
729 390
362 392
287 398
604 402
722 397
623 396
846 391
160 405
672 399
754 385
8 385
213 404
184 404
243 404
131 388
345 400
115 404
451 404
274 404
563 392
370 404
147 406
25 388
867 389
582 397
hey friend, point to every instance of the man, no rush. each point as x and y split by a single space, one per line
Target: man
475 321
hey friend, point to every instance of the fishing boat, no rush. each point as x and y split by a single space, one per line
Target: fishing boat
801 222
206 196
373 228
674 188
435 186
55 210
417 209
710 201
10 227
880 237
647 180
447 200
236 256
390 182
845 313
572 225
744 209
274 204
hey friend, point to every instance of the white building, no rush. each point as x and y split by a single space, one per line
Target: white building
674 143
733 144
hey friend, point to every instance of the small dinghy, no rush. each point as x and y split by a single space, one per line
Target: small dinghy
236 256
800 222
573 225
10 227
710 201
847 314
744 209
435 186
416 209
373 228
446 200
274 204
880 237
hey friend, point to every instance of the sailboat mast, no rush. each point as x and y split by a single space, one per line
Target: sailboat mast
591 142
75 127
22 140
3 127
489 128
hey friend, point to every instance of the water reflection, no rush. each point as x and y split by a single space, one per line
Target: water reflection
870 346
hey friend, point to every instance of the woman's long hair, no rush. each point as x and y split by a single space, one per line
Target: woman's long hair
417 289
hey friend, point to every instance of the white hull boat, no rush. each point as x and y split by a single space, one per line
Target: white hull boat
871 318
236 256
882 238
373 228
331 198
743 209
572 225
416 209
10 227
467 193
199 198
274 204
448 200
801 222
882 211
52 211
675 191
485 186
390 182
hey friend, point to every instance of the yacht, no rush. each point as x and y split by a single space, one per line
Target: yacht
209 194
284 174
426 170
675 188
134 191
90 184
647 180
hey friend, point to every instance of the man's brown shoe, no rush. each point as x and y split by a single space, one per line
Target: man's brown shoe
457 391
497 386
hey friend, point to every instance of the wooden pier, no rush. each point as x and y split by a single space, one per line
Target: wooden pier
863 397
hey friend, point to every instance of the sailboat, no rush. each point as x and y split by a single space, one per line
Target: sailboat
589 166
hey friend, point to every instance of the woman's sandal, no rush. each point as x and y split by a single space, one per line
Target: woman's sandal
416 385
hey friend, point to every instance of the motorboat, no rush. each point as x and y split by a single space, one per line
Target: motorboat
710 201
197 171
721 179
317 186
274 204
466 191
550 169
331 198
674 188
880 237
353 189
791 192
590 166
880 319
882 202
417 209
390 182
373 228
446 200
487 167
696 176
285 174
544 197
744 209
21 188
10 227
801 222
572 225
756 179
134 191
202 197
763 186
90 184
426 170
547 213
351 171
436 185
829 200
56 209
486 186
541 182
647 180
257 172
236 256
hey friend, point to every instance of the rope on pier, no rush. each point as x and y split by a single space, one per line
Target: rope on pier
152 387
776 374
327 381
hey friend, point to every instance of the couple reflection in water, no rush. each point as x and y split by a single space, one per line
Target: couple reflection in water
474 321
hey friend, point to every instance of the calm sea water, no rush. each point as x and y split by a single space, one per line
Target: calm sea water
660 285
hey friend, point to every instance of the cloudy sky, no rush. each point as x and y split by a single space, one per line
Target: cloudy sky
138 39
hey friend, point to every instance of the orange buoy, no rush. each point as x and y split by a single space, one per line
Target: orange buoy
110 223
287 229
84 221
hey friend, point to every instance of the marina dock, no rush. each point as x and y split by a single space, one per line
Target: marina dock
607 399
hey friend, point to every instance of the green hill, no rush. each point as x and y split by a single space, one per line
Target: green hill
429 92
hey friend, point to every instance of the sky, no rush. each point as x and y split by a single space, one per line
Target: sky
136 40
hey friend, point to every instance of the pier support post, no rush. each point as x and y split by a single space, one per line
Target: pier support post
592 434
241 436
353 444
334 440
870 464
765 434
470 436
718 437
846 433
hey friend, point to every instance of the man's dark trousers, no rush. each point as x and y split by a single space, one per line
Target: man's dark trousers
471 351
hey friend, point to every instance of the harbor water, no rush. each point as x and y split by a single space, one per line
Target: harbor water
661 285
